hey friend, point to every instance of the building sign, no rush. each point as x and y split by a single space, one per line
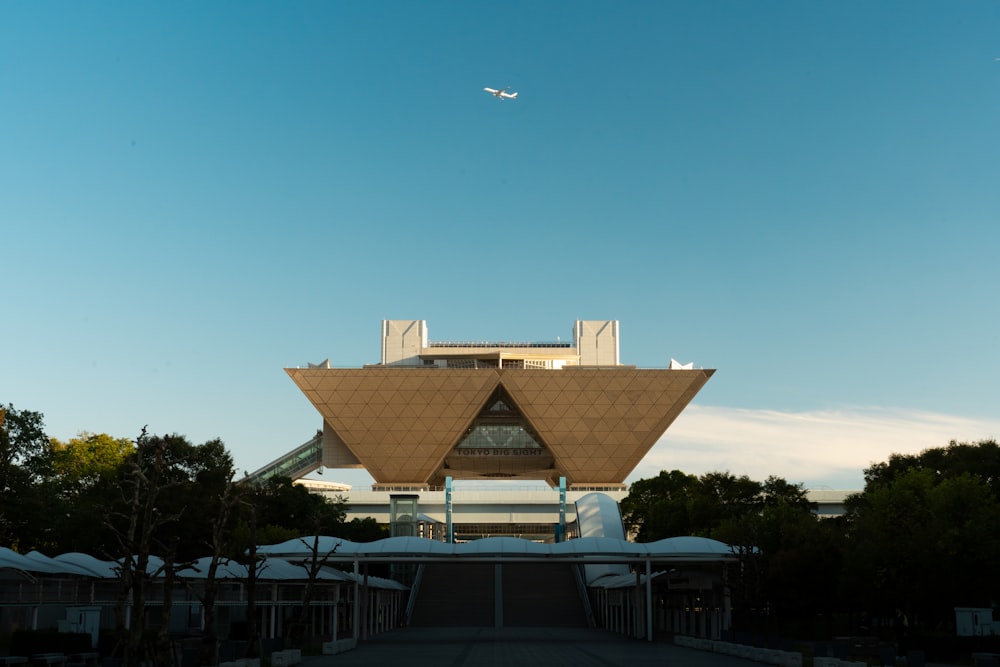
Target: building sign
498 451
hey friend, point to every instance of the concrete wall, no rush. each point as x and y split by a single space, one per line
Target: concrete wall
402 341
597 342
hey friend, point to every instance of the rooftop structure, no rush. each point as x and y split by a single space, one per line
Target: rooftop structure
496 410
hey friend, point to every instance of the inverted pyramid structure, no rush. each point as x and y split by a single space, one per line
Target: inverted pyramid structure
403 424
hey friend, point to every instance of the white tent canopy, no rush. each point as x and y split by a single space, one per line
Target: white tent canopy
600 549
84 565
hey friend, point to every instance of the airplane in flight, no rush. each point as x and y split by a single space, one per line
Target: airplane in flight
501 94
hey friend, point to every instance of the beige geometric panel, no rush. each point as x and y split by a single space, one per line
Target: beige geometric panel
399 422
336 452
600 423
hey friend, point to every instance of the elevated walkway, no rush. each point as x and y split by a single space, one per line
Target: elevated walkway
297 463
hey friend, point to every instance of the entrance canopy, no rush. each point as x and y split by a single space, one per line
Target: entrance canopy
501 549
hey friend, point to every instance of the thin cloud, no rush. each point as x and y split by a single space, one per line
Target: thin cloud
819 449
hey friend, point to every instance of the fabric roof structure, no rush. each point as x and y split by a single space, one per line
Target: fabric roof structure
73 565
277 569
83 565
588 549
282 560
104 569
11 560
628 580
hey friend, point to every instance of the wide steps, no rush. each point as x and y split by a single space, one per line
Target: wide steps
455 595
541 595
465 595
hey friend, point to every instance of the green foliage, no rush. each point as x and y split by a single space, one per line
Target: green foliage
85 459
281 502
770 525
717 505
84 484
658 507
363 530
22 440
86 494
25 495
981 459
925 534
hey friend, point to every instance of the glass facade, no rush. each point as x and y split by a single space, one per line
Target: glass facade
500 426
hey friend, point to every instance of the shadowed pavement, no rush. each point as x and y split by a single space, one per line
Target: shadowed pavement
517 647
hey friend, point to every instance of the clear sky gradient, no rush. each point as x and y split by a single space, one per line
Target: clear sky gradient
802 195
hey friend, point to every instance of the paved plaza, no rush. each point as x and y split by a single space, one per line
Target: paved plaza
521 647
517 647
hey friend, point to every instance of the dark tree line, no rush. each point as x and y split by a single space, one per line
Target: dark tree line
923 535
158 498
925 532
59 497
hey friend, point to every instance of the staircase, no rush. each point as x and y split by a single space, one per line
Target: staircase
455 595
541 595
465 595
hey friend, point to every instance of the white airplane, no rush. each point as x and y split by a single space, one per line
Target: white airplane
501 94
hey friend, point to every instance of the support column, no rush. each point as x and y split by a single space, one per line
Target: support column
449 526
357 601
638 603
271 612
336 610
649 601
498 596
561 530
366 601
727 618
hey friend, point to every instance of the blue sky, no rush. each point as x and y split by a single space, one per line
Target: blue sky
802 195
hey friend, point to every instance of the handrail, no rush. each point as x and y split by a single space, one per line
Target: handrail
560 345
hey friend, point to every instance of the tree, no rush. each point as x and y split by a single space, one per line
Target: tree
83 461
202 502
314 565
253 648
363 530
981 459
174 500
22 439
135 524
767 524
925 533
659 507
224 504
26 498
276 510
86 484
289 509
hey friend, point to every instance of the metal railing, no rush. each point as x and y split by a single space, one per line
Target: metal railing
501 344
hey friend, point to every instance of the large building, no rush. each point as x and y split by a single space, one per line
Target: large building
496 410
